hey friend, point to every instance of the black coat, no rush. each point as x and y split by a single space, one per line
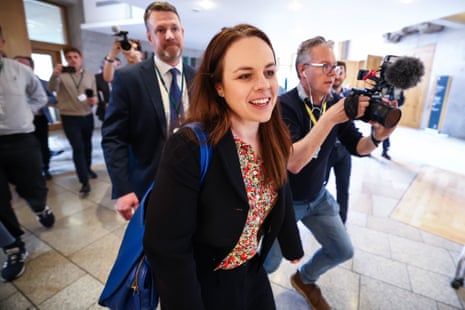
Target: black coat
134 130
103 95
190 228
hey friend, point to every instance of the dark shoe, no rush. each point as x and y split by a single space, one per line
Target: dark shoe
311 292
386 155
46 217
47 175
92 174
85 189
56 153
14 265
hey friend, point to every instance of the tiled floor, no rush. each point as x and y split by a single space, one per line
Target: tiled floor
396 266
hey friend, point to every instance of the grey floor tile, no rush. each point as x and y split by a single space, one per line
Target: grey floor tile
370 240
46 275
392 227
73 233
438 241
382 269
81 294
433 285
376 295
6 290
422 255
341 288
98 257
16 301
286 298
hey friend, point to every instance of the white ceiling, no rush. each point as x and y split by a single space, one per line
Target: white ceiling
335 19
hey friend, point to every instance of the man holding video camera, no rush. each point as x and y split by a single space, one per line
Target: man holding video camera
76 95
315 123
132 51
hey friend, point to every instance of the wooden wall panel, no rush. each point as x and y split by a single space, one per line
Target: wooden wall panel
415 98
13 22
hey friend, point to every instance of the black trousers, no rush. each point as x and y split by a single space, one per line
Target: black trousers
41 133
244 288
78 130
20 165
340 160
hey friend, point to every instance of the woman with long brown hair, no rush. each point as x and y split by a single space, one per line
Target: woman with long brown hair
206 241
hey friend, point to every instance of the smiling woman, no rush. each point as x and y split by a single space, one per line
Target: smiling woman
212 256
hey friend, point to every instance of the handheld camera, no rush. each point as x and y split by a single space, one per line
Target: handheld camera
394 72
124 42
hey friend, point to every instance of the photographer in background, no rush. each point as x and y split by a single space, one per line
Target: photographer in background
399 96
133 55
104 89
339 159
76 95
315 123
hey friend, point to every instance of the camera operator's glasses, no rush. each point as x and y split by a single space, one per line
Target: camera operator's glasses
326 68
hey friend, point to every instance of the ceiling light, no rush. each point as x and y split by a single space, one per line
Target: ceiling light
295 5
206 4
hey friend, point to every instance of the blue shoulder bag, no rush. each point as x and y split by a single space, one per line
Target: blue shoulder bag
130 284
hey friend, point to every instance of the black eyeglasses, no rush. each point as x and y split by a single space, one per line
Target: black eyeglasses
326 68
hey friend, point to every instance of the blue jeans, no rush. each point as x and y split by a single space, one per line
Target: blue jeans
321 217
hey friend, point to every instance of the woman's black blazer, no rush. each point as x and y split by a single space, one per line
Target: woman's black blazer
191 227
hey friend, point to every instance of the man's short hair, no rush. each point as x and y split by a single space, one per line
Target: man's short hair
71 49
303 52
29 59
341 63
159 7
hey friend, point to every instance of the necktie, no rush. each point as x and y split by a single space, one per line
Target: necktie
176 108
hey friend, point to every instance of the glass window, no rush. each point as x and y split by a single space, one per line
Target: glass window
44 22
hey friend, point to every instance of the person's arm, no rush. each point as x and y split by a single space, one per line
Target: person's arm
304 149
109 65
37 98
115 145
54 81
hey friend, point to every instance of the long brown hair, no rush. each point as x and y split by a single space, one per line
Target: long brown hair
207 107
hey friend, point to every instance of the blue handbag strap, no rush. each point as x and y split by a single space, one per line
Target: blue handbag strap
205 148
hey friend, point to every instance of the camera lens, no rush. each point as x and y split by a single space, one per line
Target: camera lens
382 113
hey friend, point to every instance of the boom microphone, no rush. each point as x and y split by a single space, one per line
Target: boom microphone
404 72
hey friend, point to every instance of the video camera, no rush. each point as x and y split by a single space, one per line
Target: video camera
394 72
124 42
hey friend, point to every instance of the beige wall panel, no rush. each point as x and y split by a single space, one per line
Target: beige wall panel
415 97
13 22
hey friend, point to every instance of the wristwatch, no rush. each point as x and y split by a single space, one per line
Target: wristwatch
375 142
108 59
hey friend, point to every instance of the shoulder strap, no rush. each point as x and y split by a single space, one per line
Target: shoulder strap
205 148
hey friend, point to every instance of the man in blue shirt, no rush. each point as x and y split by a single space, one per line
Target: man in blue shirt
315 122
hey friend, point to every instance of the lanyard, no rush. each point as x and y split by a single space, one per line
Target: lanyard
310 111
77 85
1 65
175 105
